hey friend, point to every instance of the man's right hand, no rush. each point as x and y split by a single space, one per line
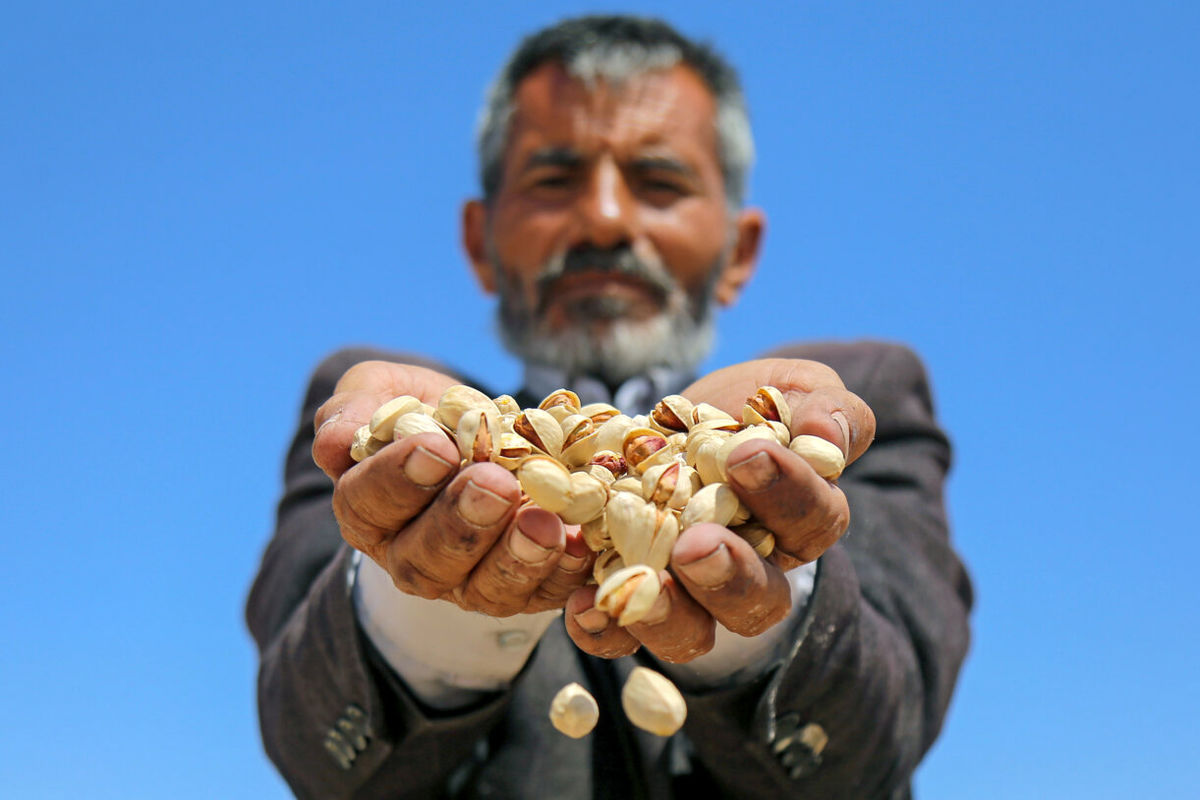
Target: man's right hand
441 531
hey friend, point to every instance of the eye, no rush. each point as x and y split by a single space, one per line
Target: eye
662 190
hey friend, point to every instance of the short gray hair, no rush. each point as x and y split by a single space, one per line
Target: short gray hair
615 48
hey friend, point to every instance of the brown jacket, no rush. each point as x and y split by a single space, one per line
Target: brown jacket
872 663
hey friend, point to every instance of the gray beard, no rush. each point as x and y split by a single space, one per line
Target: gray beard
601 341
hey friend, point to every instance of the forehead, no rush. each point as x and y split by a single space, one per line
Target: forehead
672 108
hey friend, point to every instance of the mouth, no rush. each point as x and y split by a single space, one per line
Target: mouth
582 286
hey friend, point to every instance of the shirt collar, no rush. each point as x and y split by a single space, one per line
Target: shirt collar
635 396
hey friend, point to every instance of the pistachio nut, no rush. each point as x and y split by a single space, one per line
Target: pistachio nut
611 433
514 448
628 594
478 434
588 496
630 484
610 461
652 702
560 403
541 430
731 443
507 404
457 399
599 413
767 404
631 524
595 534
672 414
671 484
607 562
705 460
364 444
757 536
574 711
822 455
579 440
414 422
662 541
715 502
383 421
703 412
639 445
546 481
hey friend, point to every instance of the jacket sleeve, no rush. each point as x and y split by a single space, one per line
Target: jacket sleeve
861 694
332 714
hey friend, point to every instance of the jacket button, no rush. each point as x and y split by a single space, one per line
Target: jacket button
799 748
349 736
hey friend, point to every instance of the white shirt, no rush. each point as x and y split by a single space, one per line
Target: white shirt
449 657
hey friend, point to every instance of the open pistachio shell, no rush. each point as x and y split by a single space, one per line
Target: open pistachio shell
767 404
628 593
672 414
541 430
478 434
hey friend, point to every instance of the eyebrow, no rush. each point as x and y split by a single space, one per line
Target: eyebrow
664 163
553 157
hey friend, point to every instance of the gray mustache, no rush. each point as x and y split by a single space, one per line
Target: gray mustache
617 260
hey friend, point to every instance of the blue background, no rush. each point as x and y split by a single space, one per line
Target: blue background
199 200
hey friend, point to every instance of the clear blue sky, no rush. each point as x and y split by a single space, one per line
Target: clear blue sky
199 200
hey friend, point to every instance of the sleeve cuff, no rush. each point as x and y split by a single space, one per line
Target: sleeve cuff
446 656
744 658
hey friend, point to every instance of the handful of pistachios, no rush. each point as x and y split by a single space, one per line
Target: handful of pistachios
632 484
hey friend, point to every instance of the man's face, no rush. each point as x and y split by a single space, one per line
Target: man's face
609 238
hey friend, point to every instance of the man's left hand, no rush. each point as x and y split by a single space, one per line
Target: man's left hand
715 575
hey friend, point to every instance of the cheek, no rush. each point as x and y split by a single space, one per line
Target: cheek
690 242
526 238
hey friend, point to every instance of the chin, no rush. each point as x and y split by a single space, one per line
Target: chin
615 350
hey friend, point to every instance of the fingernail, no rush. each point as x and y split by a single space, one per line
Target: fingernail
593 620
844 424
756 473
337 415
711 571
480 506
570 563
425 468
526 541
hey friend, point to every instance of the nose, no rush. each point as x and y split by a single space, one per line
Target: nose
606 209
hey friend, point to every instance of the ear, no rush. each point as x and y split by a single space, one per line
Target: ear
748 230
474 240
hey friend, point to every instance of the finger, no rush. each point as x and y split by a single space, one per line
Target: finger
360 391
571 572
439 548
723 574
677 628
806 513
834 414
507 576
593 631
383 493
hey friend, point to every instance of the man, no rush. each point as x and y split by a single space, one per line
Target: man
415 620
